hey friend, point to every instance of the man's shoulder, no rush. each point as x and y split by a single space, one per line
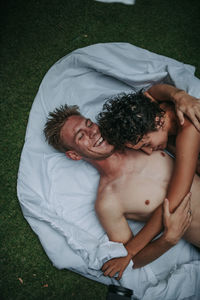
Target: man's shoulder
106 193
107 198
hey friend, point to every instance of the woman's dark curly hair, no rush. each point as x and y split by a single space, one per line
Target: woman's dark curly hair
127 118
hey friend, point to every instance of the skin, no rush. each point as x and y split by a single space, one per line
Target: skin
185 104
115 189
118 173
84 137
110 164
152 141
114 204
187 150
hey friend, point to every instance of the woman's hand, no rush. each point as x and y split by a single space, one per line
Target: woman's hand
188 105
116 265
184 103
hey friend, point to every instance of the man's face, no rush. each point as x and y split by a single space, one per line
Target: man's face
155 140
84 137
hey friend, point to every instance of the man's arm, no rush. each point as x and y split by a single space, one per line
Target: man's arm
175 226
112 218
184 103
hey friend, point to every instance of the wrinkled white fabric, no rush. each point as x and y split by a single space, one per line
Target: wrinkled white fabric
57 195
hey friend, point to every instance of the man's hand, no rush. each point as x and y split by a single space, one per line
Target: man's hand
178 222
188 105
116 265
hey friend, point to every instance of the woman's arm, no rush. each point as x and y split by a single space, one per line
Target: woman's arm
184 103
172 150
187 152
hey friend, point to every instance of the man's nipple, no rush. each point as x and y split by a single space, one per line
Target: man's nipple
162 153
147 202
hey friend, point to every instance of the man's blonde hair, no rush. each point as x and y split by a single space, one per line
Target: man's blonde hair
54 124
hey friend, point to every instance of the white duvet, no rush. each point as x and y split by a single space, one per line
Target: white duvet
57 195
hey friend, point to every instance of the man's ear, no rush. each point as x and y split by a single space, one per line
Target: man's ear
73 155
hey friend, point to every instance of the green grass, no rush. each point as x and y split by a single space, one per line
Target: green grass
34 35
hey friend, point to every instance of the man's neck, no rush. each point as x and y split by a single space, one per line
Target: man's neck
111 166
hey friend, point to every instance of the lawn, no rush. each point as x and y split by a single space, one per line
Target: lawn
34 35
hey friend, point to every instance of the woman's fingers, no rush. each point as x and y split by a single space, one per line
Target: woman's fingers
180 116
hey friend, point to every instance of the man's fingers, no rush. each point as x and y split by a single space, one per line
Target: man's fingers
185 205
185 202
189 220
187 211
187 223
166 208
187 214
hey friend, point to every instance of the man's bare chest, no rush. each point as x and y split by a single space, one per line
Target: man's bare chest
141 191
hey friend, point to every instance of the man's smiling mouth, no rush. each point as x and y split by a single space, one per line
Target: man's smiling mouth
98 142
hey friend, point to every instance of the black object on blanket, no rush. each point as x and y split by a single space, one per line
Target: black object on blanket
119 293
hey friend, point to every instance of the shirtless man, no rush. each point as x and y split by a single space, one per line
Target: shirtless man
123 177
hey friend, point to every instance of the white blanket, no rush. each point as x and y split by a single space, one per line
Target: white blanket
57 195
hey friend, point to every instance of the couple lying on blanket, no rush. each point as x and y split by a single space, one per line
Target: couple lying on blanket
138 180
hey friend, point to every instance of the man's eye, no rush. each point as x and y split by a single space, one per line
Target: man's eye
89 123
80 136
